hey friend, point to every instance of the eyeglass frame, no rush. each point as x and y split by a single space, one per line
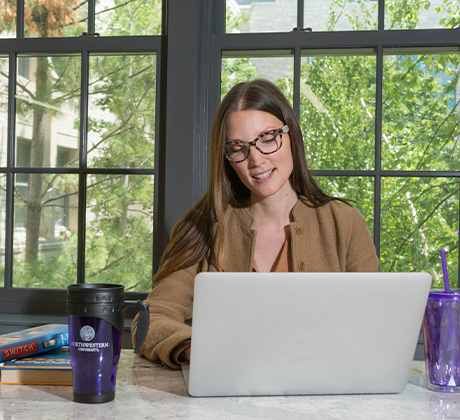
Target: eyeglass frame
277 131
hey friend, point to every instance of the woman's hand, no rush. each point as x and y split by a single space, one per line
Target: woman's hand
184 356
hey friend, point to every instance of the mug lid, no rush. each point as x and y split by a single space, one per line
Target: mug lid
95 293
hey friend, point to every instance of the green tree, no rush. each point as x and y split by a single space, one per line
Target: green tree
420 132
121 135
42 19
122 88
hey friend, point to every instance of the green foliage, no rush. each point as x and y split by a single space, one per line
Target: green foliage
419 217
119 220
56 265
3 84
119 240
359 189
421 131
132 17
361 15
7 17
122 89
236 70
421 117
337 111
55 272
405 15
235 22
451 10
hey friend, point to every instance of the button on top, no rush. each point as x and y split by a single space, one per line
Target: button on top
301 265
299 229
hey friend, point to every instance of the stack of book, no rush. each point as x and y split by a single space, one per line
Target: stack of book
36 355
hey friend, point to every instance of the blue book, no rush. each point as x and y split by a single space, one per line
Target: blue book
33 341
50 368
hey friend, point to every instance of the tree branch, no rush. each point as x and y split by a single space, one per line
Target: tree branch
117 260
115 7
60 197
428 146
420 225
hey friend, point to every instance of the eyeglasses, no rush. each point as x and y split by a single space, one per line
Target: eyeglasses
266 143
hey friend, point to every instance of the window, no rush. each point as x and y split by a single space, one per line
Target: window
78 136
104 124
379 111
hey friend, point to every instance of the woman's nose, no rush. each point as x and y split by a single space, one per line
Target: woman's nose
255 157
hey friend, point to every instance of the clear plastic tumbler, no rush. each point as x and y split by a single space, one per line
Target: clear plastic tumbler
441 334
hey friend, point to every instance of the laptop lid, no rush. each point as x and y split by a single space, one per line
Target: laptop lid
304 333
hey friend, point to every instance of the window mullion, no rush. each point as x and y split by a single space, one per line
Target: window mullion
381 15
296 81
160 238
9 205
378 148
91 16
20 19
300 13
82 179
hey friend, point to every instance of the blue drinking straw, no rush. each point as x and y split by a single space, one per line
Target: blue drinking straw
444 271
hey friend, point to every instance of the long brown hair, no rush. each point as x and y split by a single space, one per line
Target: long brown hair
200 232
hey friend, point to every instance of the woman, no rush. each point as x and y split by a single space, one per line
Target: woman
262 211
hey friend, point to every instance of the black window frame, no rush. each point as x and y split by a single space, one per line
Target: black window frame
189 54
379 41
23 307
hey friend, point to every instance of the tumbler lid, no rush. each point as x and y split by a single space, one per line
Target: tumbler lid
95 293
441 294
107 302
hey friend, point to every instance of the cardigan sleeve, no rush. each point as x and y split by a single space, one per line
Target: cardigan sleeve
361 254
171 301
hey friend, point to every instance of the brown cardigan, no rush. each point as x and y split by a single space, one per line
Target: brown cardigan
330 238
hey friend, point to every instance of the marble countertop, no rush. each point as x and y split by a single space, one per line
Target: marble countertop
147 390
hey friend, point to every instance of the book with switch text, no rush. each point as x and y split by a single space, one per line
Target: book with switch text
49 368
33 341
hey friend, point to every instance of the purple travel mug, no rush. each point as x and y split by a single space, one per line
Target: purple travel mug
441 335
96 319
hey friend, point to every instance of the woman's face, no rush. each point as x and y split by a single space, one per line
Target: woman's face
265 175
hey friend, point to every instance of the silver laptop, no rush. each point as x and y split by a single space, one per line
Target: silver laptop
304 333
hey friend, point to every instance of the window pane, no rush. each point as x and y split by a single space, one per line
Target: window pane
8 19
419 217
245 66
340 15
3 109
57 18
134 17
319 15
45 230
2 227
337 107
119 232
421 14
121 129
261 15
421 112
359 189
47 109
